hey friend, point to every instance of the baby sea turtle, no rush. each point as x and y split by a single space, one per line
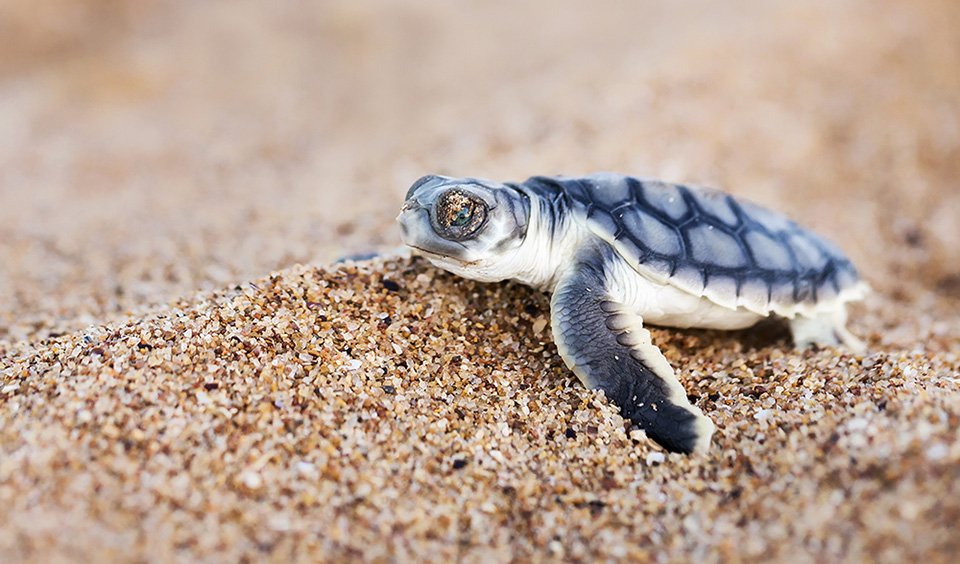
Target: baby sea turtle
617 251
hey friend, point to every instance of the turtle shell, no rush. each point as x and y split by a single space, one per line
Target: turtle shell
735 253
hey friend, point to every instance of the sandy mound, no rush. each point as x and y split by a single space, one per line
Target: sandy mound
386 409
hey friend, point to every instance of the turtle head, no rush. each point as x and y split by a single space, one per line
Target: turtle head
467 226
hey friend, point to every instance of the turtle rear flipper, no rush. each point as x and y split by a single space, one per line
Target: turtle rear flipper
607 347
825 329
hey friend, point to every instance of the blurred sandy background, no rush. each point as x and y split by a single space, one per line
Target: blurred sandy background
152 153
151 149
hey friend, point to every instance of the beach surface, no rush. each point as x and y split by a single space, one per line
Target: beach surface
186 373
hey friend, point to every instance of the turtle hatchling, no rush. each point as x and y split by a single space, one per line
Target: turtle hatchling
617 252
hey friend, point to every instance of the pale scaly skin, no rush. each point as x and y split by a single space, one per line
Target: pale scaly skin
617 251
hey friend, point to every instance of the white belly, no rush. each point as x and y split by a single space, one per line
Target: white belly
663 304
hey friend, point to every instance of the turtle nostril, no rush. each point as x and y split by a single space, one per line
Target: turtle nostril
410 205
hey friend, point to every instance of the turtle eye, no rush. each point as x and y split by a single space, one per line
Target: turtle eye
459 215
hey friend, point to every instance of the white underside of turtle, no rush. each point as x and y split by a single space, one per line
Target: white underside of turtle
618 252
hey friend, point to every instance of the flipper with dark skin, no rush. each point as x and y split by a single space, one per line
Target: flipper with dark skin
608 348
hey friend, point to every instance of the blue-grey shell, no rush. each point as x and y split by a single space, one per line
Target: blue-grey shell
706 242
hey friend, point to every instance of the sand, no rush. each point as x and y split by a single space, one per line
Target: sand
186 374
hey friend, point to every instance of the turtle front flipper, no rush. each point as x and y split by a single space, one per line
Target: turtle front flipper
607 347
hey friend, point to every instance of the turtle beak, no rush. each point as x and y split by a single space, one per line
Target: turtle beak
410 207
